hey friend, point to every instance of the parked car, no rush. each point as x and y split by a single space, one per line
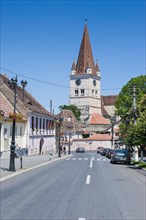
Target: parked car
103 151
120 156
80 150
99 149
109 153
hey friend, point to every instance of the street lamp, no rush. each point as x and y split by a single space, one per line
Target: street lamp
13 85
112 119
69 127
23 84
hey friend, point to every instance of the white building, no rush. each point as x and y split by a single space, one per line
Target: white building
35 126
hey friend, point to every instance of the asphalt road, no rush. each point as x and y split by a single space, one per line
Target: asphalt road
84 186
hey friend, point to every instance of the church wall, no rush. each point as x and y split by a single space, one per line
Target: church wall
110 109
86 96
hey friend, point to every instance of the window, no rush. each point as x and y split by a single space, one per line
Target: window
40 123
47 124
32 123
43 124
82 91
36 123
21 131
76 92
5 132
11 131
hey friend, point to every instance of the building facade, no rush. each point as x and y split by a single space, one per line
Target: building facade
35 126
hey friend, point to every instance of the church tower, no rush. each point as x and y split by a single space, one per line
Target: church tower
85 80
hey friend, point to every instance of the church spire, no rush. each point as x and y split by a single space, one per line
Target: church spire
85 57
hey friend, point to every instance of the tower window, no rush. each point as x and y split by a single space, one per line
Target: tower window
82 91
76 92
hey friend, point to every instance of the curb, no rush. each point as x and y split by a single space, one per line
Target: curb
31 168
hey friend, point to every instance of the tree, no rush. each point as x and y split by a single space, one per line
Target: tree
140 128
76 111
133 134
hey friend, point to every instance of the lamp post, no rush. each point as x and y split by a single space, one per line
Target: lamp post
13 85
23 84
112 119
69 127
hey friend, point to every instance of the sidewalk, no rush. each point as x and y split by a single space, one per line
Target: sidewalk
28 163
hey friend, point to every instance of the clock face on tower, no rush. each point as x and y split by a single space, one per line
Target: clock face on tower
78 82
94 82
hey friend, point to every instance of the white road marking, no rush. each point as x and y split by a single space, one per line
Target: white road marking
79 158
81 219
91 163
68 158
88 179
74 158
104 159
86 158
98 159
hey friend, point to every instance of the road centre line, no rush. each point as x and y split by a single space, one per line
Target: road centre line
88 179
81 219
91 163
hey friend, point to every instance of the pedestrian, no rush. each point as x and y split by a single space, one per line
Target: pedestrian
64 149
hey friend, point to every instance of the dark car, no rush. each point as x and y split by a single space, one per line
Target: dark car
103 151
80 150
109 153
121 156
99 149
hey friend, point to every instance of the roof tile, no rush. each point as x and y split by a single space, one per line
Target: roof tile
98 119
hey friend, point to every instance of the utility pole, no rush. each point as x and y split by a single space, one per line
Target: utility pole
135 116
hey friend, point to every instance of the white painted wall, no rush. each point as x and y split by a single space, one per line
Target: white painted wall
91 98
90 145
48 145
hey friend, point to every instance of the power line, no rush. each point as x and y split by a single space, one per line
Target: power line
37 80
44 82
49 83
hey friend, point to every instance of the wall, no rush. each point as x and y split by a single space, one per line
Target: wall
35 143
90 145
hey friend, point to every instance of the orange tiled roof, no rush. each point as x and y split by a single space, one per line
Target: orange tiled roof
97 118
100 137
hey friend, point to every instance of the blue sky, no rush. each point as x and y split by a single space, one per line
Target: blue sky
40 39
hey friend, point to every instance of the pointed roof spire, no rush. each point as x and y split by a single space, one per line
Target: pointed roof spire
97 66
73 65
85 54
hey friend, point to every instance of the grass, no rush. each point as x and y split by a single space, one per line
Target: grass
139 164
